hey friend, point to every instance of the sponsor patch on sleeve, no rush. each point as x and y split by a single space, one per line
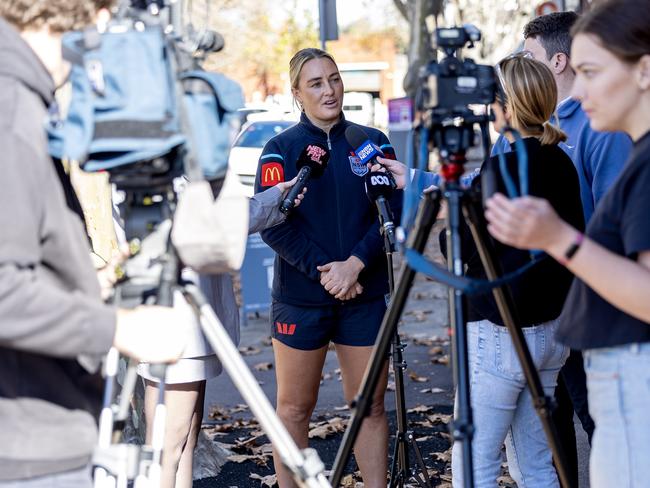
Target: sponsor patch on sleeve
389 151
272 174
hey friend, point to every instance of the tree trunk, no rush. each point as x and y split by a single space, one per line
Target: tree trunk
420 51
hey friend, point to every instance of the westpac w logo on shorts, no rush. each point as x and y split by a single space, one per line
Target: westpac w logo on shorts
284 328
358 167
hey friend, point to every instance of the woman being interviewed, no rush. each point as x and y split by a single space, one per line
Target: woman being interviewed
330 275
607 312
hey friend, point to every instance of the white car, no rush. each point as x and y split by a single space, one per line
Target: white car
247 149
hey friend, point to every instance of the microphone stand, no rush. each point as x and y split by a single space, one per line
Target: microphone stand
401 469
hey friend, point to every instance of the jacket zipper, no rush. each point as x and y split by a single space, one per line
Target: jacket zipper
338 208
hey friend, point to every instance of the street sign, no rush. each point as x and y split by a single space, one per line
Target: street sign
256 277
329 28
547 7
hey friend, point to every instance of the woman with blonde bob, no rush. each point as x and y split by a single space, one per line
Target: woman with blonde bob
500 399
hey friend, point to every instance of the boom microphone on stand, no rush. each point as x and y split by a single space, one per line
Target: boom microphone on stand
379 187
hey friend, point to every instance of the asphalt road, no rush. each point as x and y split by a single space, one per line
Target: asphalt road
428 392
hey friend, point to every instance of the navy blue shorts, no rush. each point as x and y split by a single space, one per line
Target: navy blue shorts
310 328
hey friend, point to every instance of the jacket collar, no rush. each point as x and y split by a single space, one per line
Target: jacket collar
567 108
337 131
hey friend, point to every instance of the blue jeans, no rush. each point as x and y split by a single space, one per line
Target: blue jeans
618 381
502 405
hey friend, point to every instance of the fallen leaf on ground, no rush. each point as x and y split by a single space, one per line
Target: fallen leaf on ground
439 418
423 341
240 407
260 460
416 378
269 480
441 360
432 390
419 409
249 350
263 366
442 456
217 412
328 427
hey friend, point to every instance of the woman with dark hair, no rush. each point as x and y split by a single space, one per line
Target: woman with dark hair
607 312
330 275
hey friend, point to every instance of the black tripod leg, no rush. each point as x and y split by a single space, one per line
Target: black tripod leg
396 478
505 303
401 447
424 481
462 428
402 470
425 220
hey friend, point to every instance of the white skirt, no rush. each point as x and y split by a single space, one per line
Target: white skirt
199 361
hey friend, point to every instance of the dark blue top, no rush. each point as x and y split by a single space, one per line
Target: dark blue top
620 224
539 293
598 156
334 221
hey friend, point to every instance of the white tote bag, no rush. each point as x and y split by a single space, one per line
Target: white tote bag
210 234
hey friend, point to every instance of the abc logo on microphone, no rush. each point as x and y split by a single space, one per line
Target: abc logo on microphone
379 180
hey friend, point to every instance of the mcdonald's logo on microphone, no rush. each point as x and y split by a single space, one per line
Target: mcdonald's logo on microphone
272 174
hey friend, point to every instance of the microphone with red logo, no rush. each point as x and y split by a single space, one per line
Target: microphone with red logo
379 187
311 164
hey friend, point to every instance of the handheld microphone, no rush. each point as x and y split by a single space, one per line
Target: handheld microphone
311 164
366 150
379 188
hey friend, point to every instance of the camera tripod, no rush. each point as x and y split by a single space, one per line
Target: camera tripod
453 140
117 463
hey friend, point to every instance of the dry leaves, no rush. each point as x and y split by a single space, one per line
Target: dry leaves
441 360
432 390
327 428
249 350
263 366
271 480
419 409
419 315
416 378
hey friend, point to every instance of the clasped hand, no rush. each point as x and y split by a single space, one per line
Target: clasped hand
340 278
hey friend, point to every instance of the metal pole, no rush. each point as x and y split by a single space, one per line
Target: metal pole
321 16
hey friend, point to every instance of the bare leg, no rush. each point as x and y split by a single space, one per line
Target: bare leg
298 376
371 446
181 429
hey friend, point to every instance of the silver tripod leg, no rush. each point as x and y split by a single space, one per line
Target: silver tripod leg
306 466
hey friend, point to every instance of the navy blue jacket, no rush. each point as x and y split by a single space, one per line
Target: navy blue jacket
333 222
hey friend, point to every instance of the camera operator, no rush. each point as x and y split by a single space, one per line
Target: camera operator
54 327
606 313
330 275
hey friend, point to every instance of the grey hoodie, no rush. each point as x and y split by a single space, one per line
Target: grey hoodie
50 307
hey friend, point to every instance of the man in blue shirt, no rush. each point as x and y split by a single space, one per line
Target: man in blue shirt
599 158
